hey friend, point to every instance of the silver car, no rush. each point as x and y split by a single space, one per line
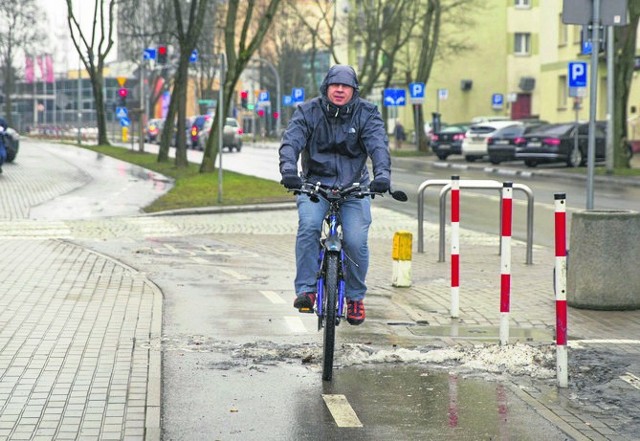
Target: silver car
231 138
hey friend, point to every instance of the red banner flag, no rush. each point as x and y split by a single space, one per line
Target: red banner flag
28 69
49 69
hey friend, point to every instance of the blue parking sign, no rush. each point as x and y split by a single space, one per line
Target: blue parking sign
578 74
416 92
497 100
264 96
297 94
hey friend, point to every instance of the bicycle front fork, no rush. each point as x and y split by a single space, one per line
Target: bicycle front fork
320 285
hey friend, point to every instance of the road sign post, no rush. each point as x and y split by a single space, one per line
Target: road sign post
416 93
594 13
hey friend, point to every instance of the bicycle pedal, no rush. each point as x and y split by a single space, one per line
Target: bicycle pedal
306 310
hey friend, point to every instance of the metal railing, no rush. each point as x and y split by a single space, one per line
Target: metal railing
481 184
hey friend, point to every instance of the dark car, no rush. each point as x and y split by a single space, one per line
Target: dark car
566 142
448 141
505 143
196 128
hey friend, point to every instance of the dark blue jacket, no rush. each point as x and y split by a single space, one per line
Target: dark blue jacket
335 142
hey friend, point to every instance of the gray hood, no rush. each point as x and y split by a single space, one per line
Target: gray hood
340 74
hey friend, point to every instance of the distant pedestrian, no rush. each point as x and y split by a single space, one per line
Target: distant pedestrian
3 140
398 133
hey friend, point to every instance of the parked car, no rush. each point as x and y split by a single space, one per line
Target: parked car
231 138
474 145
188 123
565 142
490 118
504 143
153 130
448 141
11 143
196 130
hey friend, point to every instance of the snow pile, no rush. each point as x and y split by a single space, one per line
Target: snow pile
535 361
518 359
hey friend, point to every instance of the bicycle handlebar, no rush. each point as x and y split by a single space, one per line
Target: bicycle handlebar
356 190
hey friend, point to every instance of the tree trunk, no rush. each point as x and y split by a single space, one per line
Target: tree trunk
97 82
624 51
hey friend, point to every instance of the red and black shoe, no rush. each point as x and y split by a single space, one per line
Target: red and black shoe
305 302
355 312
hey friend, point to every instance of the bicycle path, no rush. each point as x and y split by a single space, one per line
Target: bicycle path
80 341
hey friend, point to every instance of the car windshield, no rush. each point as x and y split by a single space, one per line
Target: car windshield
454 129
515 130
482 130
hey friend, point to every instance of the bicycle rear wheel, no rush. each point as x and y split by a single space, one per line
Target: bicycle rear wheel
331 300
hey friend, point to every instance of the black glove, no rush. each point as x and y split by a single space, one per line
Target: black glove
380 185
292 182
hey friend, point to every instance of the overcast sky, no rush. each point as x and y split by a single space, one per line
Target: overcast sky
60 45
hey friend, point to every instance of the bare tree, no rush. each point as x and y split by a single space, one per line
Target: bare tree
244 32
93 48
19 33
187 39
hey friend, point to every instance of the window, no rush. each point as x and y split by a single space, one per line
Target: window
577 34
522 3
563 92
563 32
522 43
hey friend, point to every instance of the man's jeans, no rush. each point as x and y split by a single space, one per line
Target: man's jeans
356 218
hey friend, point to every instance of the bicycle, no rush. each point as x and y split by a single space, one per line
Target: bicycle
330 299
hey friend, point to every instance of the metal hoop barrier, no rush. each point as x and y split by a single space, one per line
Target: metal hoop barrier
561 290
505 261
476 184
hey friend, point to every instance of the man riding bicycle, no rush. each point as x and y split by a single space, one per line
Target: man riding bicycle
333 135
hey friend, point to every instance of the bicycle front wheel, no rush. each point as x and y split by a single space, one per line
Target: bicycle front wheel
331 300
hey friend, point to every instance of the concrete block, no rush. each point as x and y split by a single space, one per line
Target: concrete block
603 265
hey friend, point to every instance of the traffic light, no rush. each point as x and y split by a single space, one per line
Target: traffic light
260 113
244 98
122 93
162 54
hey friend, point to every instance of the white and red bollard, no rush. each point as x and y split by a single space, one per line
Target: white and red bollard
455 246
561 290
505 260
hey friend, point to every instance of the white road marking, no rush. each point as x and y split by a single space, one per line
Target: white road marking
295 324
341 410
608 341
201 260
631 379
273 297
234 274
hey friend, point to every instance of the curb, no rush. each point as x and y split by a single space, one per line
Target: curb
621 180
225 209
